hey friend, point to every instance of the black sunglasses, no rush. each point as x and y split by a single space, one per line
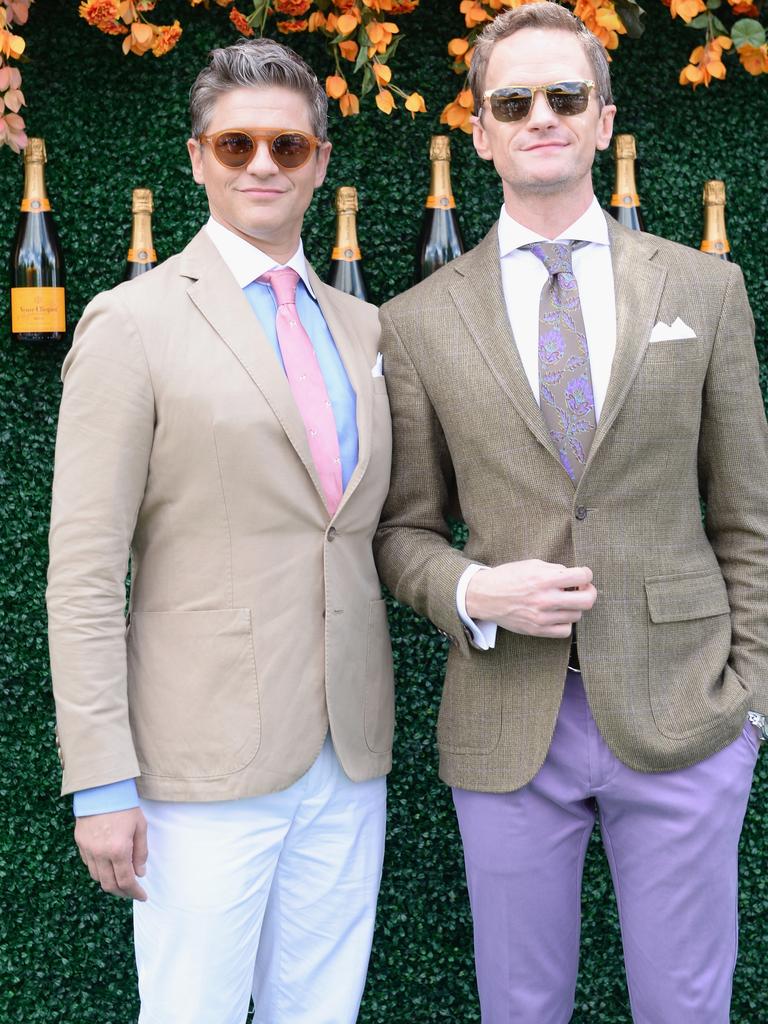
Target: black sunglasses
514 102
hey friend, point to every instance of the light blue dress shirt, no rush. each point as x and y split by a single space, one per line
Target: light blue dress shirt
120 796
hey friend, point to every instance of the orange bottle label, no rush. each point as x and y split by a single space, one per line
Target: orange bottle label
346 255
37 310
717 246
35 206
440 203
625 199
142 256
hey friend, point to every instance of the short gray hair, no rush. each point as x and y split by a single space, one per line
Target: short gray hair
547 15
256 63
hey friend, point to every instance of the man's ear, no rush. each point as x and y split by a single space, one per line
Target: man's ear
480 138
605 126
195 150
321 166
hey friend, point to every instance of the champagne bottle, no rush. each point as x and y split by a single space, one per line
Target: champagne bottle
346 272
141 255
440 240
625 202
38 303
715 239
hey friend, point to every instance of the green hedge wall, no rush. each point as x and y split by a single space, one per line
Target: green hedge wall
113 123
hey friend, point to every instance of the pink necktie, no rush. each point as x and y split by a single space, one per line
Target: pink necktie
307 384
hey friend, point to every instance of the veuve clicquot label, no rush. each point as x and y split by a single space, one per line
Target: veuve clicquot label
38 311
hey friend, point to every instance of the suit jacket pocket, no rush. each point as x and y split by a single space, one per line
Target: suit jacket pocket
192 692
689 641
379 716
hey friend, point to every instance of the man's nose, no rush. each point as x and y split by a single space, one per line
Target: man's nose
541 115
262 162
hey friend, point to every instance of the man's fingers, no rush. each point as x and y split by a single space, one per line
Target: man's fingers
140 848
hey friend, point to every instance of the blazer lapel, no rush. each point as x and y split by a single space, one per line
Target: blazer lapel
343 331
479 298
638 286
221 301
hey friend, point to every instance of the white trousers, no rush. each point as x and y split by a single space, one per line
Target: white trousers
271 896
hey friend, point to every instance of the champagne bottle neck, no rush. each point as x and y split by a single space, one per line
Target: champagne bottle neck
346 248
715 238
440 192
35 198
142 249
625 193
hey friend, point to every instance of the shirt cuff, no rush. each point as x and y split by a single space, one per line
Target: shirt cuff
481 632
116 796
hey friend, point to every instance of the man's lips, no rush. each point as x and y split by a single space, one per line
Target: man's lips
261 191
549 144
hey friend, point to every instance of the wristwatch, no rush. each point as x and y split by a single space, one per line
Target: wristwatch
761 722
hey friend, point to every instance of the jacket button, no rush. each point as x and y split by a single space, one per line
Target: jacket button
581 512
331 533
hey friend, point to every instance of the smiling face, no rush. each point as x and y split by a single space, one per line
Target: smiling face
260 202
545 154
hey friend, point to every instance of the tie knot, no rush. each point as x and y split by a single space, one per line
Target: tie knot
283 283
556 256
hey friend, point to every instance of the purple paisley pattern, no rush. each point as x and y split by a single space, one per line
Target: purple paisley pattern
565 381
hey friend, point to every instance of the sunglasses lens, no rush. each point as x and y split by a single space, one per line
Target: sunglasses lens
234 149
291 149
568 98
510 104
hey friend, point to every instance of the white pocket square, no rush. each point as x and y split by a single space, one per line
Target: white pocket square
676 331
378 369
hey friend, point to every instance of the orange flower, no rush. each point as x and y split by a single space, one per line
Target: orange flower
349 49
403 6
753 58
601 19
474 13
240 22
704 64
415 103
746 10
380 34
296 25
687 9
335 86
292 7
316 21
12 132
348 23
385 101
458 47
103 14
382 73
349 104
166 37
458 113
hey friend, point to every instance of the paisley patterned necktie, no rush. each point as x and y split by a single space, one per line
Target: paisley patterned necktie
565 382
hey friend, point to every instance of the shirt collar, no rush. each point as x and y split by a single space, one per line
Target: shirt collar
246 262
589 227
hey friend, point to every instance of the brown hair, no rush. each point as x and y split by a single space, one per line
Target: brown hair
256 63
546 15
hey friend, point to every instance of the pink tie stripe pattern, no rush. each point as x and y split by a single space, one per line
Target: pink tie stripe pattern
307 384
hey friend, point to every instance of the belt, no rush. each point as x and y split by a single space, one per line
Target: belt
573 657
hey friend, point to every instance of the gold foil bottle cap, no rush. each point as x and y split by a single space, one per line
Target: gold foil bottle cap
142 200
440 148
35 152
714 193
625 147
346 199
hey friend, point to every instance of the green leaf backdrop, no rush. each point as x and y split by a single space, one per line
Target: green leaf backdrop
112 123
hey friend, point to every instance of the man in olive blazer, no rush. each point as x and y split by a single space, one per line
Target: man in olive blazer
672 613
249 690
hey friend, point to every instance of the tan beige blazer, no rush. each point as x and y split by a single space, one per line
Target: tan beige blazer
255 620
675 650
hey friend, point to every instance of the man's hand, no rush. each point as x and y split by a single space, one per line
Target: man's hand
531 597
113 847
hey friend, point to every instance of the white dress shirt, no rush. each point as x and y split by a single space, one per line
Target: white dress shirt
246 263
523 276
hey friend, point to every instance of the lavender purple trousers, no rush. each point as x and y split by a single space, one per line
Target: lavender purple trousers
672 845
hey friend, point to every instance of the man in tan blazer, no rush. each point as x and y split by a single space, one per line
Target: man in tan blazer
575 389
224 419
